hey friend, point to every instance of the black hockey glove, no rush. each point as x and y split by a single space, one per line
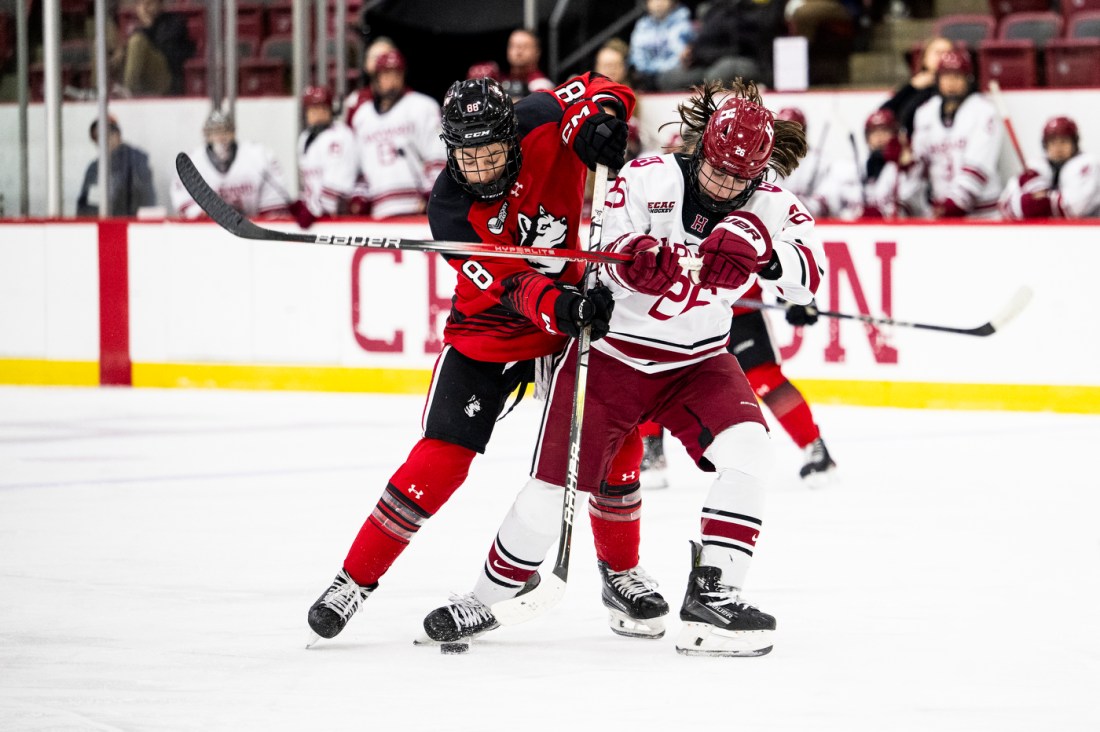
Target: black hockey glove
773 270
601 139
573 311
798 315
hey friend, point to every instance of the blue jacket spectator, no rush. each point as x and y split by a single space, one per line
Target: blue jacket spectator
658 41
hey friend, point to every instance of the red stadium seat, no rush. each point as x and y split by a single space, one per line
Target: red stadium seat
965 28
250 23
1073 62
1085 24
262 77
1040 28
1071 8
280 47
194 77
1011 63
1001 8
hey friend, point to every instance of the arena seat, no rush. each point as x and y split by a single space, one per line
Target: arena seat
967 28
1011 63
1040 28
1073 62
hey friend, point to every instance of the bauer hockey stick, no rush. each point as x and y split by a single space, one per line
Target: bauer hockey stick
238 225
549 591
1018 302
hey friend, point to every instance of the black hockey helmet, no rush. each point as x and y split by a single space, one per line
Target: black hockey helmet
476 114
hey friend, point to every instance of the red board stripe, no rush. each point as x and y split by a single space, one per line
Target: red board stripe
114 305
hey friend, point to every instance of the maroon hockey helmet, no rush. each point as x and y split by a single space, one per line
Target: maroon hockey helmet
1060 127
484 70
881 118
389 61
317 96
957 60
739 138
792 114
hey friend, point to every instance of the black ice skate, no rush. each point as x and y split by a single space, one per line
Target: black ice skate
464 618
654 464
336 605
819 466
715 620
635 607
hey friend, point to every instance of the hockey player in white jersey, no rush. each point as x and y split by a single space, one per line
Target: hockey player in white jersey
957 140
665 359
328 163
397 131
1063 184
826 185
245 174
889 171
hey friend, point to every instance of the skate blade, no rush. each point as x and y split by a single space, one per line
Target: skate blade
821 480
624 625
313 638
702 639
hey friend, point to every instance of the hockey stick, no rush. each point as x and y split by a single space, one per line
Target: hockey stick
1002 112
238 225
551 589
1016 304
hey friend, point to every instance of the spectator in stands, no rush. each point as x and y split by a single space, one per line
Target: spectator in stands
129 180
611 61
328 163
659 42
921 87
827 186
245 174
397 132
1064 183
156 51
524 75
889 171
957 139
734 39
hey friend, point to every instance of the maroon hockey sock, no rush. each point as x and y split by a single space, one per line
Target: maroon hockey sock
433 471
616 512
785 401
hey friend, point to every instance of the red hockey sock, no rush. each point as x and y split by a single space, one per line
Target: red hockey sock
432 472
650 429
616 512
785 401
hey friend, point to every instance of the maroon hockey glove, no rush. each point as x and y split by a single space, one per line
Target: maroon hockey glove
1036 205
948 209
728 260
654 268
1027 176
596 136
301 213
573 311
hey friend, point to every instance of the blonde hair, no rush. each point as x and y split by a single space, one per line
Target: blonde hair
790 138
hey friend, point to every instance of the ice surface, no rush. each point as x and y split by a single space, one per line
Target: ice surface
159 550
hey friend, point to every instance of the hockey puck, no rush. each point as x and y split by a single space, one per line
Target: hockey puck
453 648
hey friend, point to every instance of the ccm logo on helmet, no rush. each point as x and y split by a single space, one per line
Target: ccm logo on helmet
474 135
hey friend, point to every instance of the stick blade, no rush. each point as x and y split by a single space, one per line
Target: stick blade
530 605
1014 307
221 212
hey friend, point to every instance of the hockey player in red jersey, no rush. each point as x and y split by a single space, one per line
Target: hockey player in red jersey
665 358
514 175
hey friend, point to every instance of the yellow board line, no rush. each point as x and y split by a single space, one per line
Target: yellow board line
903 394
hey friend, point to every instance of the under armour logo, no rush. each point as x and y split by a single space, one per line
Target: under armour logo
415 493
630 477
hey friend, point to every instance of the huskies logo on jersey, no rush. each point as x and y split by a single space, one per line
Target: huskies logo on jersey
545 230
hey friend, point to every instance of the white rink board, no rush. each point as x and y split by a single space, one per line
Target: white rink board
199 295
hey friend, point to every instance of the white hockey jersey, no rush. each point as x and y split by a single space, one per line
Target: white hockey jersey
328 166
253 185
829 188
690 323
960 161
896 193
1077 194
400 153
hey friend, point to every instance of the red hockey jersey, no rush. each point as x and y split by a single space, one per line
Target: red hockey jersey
495 311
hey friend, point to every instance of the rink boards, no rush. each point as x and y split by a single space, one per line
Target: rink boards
159 304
